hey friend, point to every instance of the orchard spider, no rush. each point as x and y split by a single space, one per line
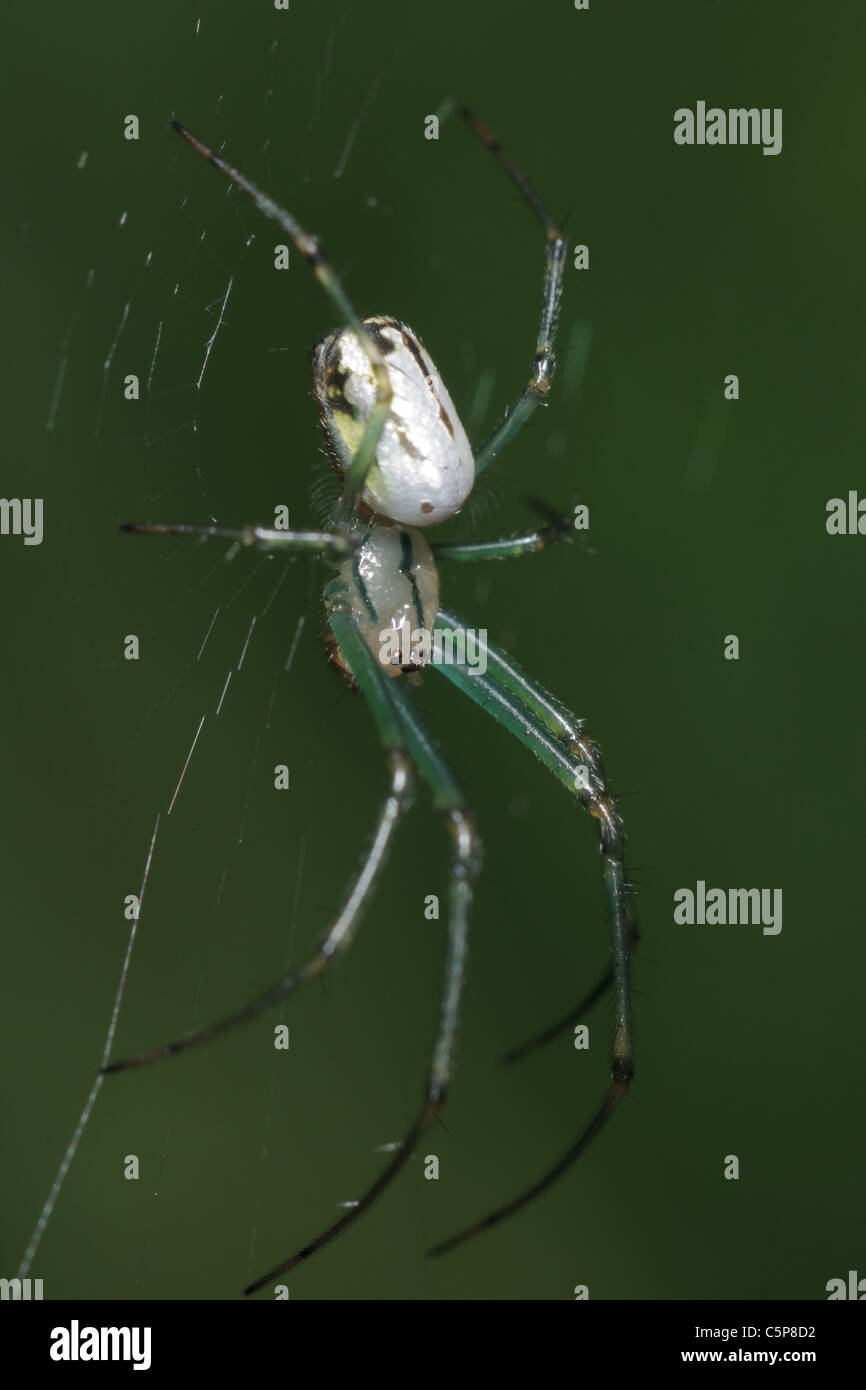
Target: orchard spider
405 462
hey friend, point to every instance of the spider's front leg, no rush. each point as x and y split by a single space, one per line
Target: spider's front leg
567 730
400 728
333 944
558 740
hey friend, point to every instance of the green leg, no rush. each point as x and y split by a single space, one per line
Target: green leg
537 388
340 936
311 250
557 739
556 719
334 547
568 730
510 547
332 946
401 728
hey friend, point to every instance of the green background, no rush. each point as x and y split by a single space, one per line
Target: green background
707 518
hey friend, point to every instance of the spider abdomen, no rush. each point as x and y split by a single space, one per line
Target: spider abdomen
424 468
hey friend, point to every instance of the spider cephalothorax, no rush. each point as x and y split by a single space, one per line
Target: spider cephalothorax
391 584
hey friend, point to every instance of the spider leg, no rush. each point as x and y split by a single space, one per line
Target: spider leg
566 1024
557 739
537 388
336 547
400 725
332 946
559 528
310 248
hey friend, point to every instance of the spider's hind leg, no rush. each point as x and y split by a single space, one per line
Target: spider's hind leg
537 388
311 250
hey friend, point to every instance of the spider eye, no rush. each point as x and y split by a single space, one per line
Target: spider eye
424 468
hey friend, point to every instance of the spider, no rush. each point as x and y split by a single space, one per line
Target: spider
405 463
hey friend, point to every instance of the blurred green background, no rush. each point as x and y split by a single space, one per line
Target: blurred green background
707 518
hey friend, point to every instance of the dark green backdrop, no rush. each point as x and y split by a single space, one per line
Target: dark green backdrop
707 518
